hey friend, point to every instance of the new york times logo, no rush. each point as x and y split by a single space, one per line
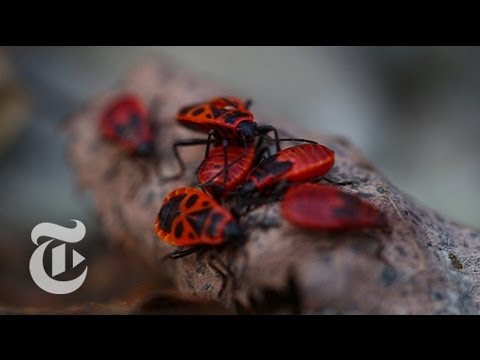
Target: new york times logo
58 255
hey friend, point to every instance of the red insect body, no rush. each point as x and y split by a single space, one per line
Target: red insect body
239 164
295 164
228 121
324 207
189 217
126 122
228 117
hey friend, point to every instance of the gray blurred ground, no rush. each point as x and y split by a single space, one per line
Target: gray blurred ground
412 111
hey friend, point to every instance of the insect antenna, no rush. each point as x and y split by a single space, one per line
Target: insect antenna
266 137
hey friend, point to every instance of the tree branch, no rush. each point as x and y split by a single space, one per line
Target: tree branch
427 264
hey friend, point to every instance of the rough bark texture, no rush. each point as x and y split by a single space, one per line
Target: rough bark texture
426 264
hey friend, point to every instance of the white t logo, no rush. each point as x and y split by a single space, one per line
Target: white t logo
37 271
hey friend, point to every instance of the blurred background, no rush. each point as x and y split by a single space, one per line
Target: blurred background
413 111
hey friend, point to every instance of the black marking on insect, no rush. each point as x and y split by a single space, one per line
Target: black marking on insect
179 230
213 226
169 212
197 219
217 112
186 109
198 111
271 167
348 208
191 201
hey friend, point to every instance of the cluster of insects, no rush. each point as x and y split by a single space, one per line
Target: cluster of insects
239 172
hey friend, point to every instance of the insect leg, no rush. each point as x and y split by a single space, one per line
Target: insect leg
209 139
254 202
260 156
177 254
224 271
265 129
260 150
207 152
176 145
335 182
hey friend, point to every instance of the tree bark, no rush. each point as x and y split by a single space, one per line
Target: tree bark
426 264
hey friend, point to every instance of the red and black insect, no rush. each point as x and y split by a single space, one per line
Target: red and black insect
191 218
295 164
227 117
325 207
210 170
194 221
126 122
227 121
